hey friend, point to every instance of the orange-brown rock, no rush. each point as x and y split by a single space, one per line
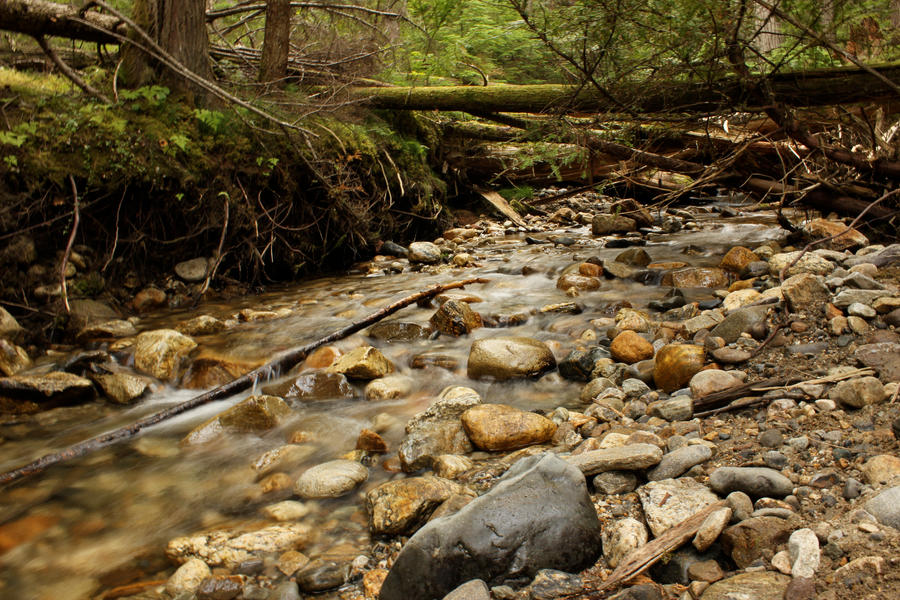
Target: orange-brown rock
579 282
737 258
497 427
700 277
630 347
676 364
590 270
823 228
370 441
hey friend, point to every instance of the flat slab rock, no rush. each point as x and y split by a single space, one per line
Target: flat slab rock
766 585
669 502
754 481
632 457
232 547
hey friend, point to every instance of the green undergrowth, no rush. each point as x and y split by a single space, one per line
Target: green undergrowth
159 181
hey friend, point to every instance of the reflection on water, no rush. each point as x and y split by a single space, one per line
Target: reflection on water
104 520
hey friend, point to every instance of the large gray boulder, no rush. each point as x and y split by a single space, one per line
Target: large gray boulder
512 532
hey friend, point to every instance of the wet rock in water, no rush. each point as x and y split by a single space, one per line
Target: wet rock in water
148 299
885 507
510 533
754 538
390 387
207 371
881 469
116 328
188 577
765 585
710 381
607 224
632 457
320 575
496 427
505 358
401 506
676 364
631 208
161 352
884 357
254 414
85 312
57 387
807 263
315 385
741 321
677 408
619 270
201 325
668 502
803 547
220 587
754 481
622 537
700 277
424 252
737 259
678 462
456 318
122 388
231 547
434 359
331 479
9 327
579 364
858 392
823 228
12 358
288 510
283 458
438 430
579 282
805 292
398 331
365 362
595 388
193 270
630 347
370 441
637 257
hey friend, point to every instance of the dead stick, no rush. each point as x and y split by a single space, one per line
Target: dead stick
65 259
283 361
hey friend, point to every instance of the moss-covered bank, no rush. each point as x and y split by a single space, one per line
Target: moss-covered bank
160 181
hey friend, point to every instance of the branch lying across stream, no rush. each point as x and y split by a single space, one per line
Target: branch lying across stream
282 362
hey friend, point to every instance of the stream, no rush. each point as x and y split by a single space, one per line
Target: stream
103 521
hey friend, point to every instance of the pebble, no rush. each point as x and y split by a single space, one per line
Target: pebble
711 528
669 502
679 461
622 537
626 458
754 481
803 547
331 479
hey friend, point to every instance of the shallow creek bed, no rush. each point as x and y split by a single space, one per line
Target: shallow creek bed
547 434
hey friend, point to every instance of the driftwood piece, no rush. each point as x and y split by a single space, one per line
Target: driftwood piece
644 557
500 203
282 362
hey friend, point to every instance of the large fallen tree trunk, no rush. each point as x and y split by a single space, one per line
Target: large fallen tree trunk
821 87
42 18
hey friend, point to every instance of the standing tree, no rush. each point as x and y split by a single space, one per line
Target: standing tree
179 27
276 43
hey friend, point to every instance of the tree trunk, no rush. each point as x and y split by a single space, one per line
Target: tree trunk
276 43
179 27
768 30
822 87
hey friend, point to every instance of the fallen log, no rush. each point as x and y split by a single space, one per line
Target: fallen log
821 87
42 18
282 362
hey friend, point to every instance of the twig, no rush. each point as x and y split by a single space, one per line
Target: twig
112 251
76 219
69 71
219 254
281 362
853 223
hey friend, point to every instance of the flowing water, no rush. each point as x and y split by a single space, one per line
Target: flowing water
104 520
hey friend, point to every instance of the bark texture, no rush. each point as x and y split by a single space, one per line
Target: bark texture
43 18
276 43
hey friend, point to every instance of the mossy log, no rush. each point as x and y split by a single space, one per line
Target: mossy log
821 87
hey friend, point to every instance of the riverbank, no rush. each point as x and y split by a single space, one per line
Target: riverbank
580 346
